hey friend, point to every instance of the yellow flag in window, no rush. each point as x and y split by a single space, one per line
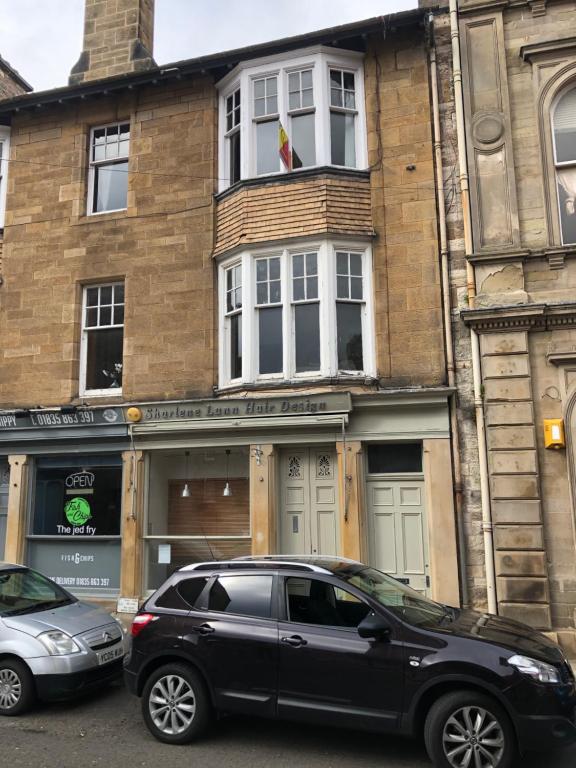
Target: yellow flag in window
284 147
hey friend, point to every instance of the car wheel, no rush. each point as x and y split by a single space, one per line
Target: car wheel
175 704
17 692
466 729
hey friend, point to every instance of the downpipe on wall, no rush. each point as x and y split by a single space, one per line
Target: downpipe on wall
487 528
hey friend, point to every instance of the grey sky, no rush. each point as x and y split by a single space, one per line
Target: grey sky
42 38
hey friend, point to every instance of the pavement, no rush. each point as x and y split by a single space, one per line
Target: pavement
106 729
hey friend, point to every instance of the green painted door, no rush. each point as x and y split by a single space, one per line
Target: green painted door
398 542
308 502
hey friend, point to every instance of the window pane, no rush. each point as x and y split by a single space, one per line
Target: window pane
268 158
274 266
348 81
92 317
355 264
262 293
307 336
314 602
307 78
298 265
270 332
259 91
565 127
191 589
260 107
312 287
342 136
236 346
110 187
271 105
119 293
234 149
106 294
275 293
294 100
245 595
112 150
349 336
261 270
567 200
105 315
119 315
395 457
303 141
294 82
342 288
271 86
336 97
104 359
356 288
298 289
336 78
342 263
92 297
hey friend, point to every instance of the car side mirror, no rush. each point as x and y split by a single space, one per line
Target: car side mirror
374 626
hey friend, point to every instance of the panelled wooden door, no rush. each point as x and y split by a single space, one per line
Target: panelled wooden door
398 541
308 502
4 489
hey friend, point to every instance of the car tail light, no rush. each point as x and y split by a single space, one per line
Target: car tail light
141 621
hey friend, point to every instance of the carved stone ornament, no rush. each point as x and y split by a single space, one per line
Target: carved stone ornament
488 128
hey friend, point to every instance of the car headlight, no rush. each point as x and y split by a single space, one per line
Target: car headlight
58 643
537 670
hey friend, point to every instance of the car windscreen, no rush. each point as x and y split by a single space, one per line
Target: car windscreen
404 602
24 591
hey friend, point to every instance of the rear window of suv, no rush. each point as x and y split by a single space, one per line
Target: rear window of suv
182 595
244 595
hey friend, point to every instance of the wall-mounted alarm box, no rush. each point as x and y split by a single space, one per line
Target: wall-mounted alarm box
554 433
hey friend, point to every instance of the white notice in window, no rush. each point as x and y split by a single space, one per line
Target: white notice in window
164 554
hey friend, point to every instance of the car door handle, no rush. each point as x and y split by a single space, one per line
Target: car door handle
204 629
295 641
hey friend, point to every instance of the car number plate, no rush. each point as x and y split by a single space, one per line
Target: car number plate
105 657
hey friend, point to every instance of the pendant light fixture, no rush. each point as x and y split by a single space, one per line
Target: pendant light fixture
227 490
186 489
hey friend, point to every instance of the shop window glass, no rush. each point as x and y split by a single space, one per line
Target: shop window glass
394 458
244 595
74 535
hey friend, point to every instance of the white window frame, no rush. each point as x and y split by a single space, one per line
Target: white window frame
228 134
93 164
326 250
227 319
109 392
4 169
560 165
320 60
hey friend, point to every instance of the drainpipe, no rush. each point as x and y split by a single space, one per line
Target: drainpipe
471 286
447 317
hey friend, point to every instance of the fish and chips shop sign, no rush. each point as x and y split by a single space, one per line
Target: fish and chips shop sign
73 417
244 408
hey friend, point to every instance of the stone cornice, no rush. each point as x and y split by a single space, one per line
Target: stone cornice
527 317
554 255
529 52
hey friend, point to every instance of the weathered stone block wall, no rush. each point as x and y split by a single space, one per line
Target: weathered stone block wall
409 331
9 86
161 246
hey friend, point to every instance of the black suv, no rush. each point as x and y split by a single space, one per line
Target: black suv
335 642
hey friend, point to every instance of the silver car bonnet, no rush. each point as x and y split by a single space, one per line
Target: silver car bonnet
73 619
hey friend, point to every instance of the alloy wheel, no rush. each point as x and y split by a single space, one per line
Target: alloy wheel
473 738
172 704
10 689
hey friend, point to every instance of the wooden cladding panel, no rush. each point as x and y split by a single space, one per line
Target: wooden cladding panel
277 211
206 512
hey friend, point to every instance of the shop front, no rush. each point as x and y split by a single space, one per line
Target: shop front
361 476
61 495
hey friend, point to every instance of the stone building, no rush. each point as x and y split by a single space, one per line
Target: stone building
211 345
514 295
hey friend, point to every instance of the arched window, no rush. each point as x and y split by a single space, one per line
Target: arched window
564 131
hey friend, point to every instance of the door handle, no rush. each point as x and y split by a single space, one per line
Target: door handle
204 629
295 641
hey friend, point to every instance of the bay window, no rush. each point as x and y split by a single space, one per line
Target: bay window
316 95
301 313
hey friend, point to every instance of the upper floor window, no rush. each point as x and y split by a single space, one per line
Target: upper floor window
101 354
314 97
564 130
108 174
296 314
4 153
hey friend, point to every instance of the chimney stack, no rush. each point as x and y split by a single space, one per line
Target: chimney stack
118 39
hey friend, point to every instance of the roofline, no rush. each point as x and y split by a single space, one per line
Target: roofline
15 75
203 64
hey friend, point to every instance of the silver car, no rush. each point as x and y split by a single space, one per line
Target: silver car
52 646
